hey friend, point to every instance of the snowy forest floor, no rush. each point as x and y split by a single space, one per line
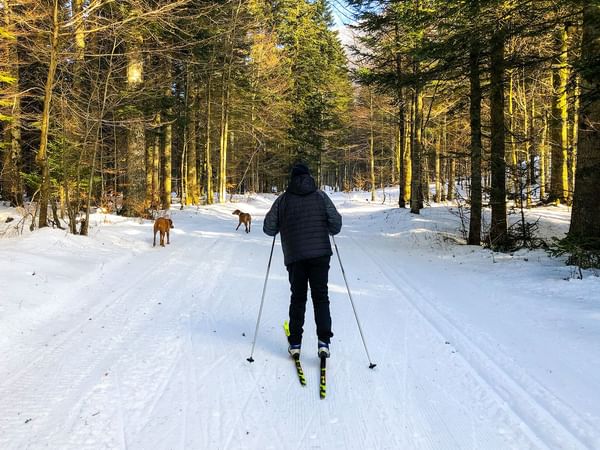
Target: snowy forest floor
107 342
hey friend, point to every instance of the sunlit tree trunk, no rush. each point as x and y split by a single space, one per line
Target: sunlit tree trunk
396 163
559 181
416 198
585 217
156 168
42 156
11 114
80 129
543 157
153 164
80 44
425 174
224 131
167 152
438 184
371 145
406 156
451 179
77 126
524 173
398 160
192 152
574 138
401 125
513 181
135 192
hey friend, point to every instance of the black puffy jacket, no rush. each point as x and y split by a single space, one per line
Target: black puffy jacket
306 217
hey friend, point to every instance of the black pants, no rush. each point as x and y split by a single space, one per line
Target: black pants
314 271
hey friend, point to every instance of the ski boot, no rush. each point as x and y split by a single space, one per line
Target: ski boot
294 350
323 350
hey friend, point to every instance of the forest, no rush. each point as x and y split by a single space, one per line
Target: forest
123 105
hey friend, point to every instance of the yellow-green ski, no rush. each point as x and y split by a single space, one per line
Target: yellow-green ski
296 358
323 381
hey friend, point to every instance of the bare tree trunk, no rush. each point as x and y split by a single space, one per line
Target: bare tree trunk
513 181
97 140
524 171
225 103
156 168
400 138
444 175
150 155
209 187
438 185
416 198
534 143
77 125
574 138
451 179
543 157
135 195
223 141
192 153
476 145
42 156
401 127
397 153
11 175
559 181
167 153
371 146
498 163
407 156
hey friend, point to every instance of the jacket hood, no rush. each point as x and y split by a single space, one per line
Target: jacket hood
300 169
302 185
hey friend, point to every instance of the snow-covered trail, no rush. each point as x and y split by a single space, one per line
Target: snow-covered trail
150 353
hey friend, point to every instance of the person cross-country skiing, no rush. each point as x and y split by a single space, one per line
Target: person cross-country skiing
306 217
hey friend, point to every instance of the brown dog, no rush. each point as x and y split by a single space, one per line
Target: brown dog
163 225
245 219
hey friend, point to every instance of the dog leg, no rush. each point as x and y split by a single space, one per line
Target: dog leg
154 244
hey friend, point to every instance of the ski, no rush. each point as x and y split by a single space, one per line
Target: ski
299 370
296 358
323 381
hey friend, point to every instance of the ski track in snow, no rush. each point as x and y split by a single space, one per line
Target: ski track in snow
155 359
562 427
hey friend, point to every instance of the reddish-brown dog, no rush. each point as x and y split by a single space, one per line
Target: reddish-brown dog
244 219
163 225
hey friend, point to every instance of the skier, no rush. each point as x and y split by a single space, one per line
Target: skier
306 217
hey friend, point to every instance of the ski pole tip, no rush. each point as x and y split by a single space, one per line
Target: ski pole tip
250 359
372 366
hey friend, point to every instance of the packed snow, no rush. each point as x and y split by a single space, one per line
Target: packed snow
108 342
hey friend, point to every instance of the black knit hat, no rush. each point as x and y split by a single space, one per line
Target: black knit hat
300 169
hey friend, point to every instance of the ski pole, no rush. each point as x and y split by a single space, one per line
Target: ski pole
262 300
371 365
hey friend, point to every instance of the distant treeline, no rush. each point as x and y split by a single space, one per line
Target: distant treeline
140 99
